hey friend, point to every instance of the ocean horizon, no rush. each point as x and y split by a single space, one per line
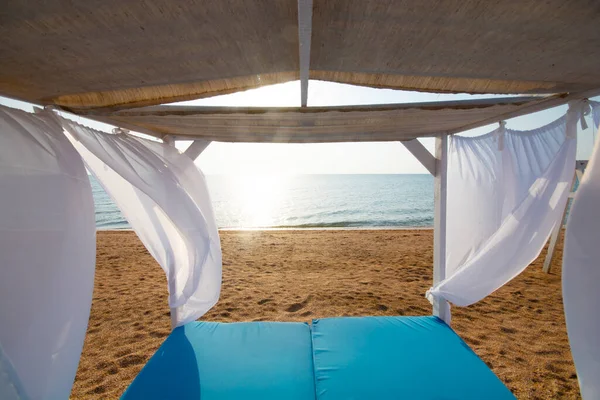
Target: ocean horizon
305 202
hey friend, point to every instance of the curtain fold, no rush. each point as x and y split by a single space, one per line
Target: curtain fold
580 278
506 192
164 197
47 257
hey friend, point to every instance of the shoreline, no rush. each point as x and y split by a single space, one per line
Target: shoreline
285 229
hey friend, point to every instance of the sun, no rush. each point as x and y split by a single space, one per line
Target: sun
259 198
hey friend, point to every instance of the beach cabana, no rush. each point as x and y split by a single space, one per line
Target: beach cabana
498 197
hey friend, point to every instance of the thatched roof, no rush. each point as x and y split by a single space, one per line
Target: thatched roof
116 54
322 124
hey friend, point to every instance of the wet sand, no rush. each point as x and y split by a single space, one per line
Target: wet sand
519 331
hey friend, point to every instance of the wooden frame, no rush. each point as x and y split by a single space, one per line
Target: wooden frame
441 307
421 153
537 104
578 175
305 11
196 148
438 167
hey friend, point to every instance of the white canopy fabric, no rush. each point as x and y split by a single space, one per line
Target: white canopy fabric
47 257
580 277
506 192
164 197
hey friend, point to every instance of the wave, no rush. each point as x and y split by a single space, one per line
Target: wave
311 202
419 222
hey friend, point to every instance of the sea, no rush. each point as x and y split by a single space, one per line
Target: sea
305 201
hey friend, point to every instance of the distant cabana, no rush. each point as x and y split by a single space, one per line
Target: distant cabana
498 197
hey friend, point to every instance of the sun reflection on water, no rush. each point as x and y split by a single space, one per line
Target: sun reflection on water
305 201
258 198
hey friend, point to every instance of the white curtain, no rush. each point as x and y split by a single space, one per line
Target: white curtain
164 197
47 257
580 278
506 192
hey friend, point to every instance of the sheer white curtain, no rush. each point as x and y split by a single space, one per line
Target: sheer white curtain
164 197
580 278
506 192
47 257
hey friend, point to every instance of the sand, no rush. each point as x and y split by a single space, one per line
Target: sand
519 331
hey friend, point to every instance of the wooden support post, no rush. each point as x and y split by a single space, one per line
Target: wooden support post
168 140
173 318
441 308
579 168
196 148
556 232
421 153
171 142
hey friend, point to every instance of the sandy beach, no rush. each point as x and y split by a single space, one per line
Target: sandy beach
519 331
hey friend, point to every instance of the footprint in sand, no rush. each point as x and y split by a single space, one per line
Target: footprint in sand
132 359
98 390
298 306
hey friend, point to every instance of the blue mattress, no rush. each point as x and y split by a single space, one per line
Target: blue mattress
398 358
337 358
248 360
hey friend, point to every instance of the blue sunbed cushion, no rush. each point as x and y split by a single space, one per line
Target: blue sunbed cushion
398 358
247 360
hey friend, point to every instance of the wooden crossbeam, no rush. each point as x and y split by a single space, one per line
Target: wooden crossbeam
422 154
196 148
305 10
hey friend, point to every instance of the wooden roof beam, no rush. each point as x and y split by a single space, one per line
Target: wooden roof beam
549 102
429 105
305 10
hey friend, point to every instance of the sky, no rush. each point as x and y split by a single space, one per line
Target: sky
331 158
